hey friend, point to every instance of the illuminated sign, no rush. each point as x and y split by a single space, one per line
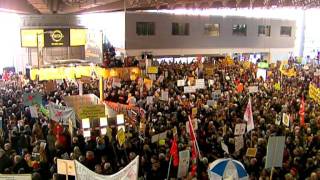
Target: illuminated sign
29 37
78 37
57 37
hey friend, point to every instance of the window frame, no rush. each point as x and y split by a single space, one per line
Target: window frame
239 34
150 28
180 29
285 35
209 33
265 27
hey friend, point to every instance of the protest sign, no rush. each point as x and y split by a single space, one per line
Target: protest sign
184 159
164 95
149 100
33 111
15 177
66 167
92 111
30 99
180 82
130 172
200 84
239 143
121 137
275 150
61 113
251 152
152 70
240 129
253 89
285 119
189 89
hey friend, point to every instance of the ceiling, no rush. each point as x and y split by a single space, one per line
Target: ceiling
83 6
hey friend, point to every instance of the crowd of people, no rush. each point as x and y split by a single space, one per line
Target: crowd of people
22 137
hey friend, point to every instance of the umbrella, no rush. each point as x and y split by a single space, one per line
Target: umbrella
227 169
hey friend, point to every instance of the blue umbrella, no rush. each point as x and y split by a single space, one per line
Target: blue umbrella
227 169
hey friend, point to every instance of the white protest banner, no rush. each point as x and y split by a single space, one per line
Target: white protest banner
210 82
180 83
15 177
189 89
149 100
184 159
164 95
239 143
286 119
240 129
130 172
33 111
66 167
200 84
116 82
253 89
224 147
61 114
275 150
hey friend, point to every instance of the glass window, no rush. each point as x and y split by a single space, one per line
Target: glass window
180 29
145 28
285 31
212 29
239 30
264 30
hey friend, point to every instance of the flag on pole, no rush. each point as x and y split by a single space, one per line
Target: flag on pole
248 116
301 112
174 152
194 148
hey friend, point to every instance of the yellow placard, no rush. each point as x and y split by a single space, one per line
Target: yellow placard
92 111
194 112
277 86
209 71
121 137
29 37
152 70
246 65
314 93
78 37
147 83
251 152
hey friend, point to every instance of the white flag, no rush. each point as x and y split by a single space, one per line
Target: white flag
248 116
61 114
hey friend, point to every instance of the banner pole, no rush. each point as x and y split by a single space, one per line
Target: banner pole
271 174
168 174
67 174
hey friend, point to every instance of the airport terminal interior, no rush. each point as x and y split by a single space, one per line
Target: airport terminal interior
160 90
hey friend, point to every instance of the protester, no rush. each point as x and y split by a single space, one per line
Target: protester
22 137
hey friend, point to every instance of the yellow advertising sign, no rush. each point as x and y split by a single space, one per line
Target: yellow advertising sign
29 37
92 111
152 70
78 37
121 137
314 93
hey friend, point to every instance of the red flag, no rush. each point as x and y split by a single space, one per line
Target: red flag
301 112
174 152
